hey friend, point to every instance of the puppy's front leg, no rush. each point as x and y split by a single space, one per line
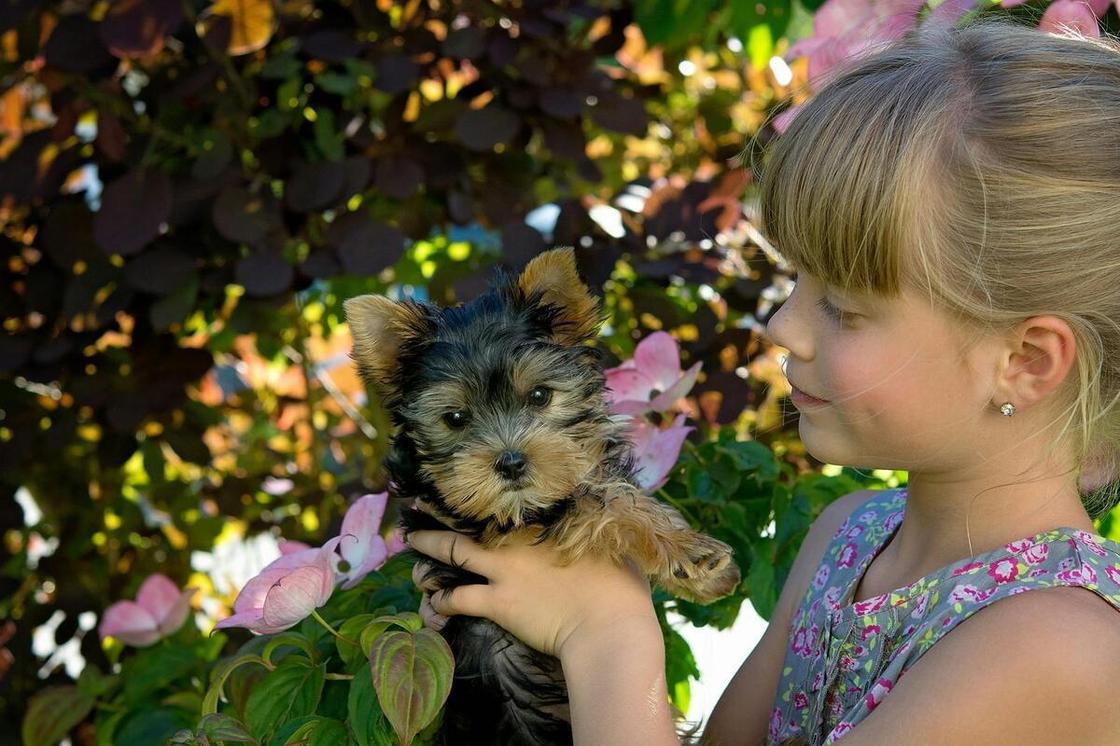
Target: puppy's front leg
627 524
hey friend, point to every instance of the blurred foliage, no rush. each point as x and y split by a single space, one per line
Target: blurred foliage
188 190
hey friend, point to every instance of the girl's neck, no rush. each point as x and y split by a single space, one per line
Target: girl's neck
934 532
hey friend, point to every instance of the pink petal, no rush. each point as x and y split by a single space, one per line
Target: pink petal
951 11
292 598
396 544
158 595
289 546
177 614
326 564
1073 13
781 122
628 384
375 557
658 356
656 451
1099 7
130 623
247 619
252 595
360 526
672 395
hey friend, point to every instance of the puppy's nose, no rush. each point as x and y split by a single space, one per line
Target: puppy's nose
511 464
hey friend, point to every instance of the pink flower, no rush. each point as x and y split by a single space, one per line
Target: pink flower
656 450
159 610
652 379
362 546
288 546
843 29
396 544
871 605
880 690
847 555
1077 14
286 591
1004 570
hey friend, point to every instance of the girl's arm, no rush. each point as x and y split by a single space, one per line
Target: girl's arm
616 684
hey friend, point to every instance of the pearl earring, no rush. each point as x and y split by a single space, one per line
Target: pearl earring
1008 409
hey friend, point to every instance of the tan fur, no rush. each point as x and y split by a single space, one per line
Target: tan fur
554 272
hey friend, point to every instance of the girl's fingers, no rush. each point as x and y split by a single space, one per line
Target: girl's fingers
454 549
432 620
471 600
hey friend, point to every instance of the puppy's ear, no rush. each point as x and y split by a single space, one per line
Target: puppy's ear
552 276
380 328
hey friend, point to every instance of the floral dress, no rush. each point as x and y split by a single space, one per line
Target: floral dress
843 658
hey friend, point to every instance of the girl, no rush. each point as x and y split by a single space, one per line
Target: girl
950 205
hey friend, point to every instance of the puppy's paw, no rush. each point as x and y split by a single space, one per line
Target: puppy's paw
706 571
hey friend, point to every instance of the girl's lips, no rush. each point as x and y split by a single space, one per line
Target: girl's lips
800 398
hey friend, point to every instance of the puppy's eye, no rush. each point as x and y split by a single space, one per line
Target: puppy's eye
456 419
539 396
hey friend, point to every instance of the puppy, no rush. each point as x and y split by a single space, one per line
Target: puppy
501 428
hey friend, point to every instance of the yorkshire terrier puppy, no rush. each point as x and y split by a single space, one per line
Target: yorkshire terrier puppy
501 428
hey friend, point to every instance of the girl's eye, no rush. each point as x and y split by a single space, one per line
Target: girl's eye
457 419
830 310
539 396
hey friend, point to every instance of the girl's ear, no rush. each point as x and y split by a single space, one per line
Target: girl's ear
552 278
380 328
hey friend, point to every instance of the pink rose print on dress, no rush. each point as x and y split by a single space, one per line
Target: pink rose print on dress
1067 564
847 555
878 692
1113 573
1017 590
1021 545
1037 572
842 529
803 641
848 663
963 569
1036 554
920 606
870 630
855 531
800 701
1091 543
817 681
841 728
821 577
1004 570
867 516
970 593
1078 575
832 597
775 724
871 605
894 519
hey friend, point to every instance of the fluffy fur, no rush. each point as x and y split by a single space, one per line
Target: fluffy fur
501 428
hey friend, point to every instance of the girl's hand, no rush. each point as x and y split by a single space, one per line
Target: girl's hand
530 594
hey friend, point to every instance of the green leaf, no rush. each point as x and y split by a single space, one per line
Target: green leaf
290 691
218 678
154 668
412 677
319 731
152 726
367 721
94 683
671 23
760 581
680 666
53 712
408 621
217 726
701 486
351 629
752 456
744 19
293 639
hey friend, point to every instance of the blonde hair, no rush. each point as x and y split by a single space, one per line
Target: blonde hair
979 165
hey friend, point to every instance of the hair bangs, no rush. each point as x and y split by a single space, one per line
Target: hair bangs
843 194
